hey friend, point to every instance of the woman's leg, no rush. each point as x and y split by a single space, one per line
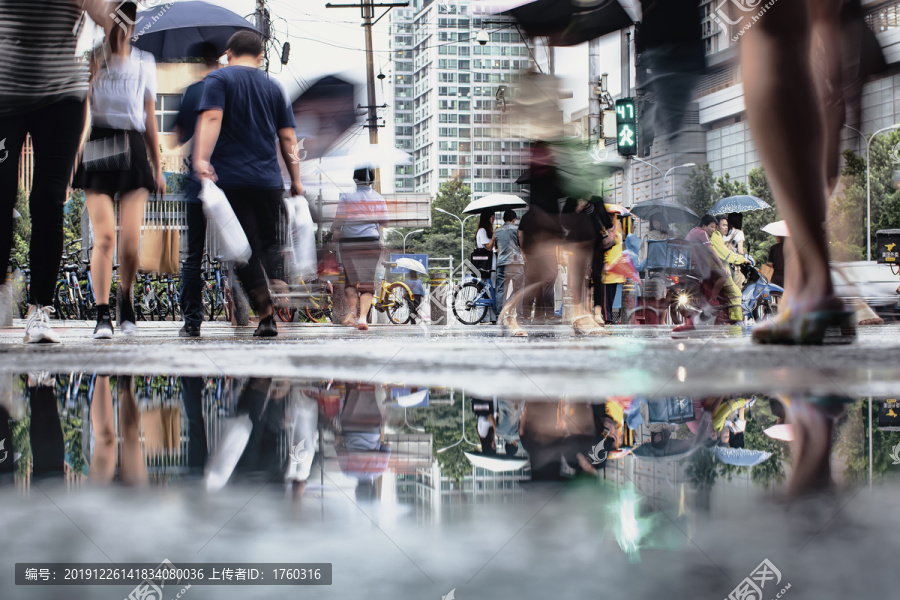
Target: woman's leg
132 468
352 298
131 216
783 106
103 461
102 212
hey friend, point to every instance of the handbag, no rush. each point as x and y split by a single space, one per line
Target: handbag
111 153
160 249
481 258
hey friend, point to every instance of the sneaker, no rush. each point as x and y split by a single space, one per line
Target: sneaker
266 327
41 379
189 331
128 327
37 327
104 328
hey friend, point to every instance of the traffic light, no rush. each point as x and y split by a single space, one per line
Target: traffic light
626 127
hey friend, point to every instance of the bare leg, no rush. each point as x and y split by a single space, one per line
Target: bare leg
365 303
782 107
352 298
131 208
132 467
103 221
103 461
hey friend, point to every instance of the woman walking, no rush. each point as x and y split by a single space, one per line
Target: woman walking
357 224
483 255
42 93
116 165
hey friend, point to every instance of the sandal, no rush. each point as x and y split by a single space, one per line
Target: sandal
598 316
586 325
512 327
348 321
362 325
808 329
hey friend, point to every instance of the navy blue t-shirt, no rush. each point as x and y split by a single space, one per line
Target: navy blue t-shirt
187 124
254 107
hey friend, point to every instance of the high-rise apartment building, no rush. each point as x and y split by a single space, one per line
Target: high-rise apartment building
451 97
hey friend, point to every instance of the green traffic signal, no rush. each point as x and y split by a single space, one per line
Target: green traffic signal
626 127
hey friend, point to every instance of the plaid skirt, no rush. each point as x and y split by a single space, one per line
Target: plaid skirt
360 258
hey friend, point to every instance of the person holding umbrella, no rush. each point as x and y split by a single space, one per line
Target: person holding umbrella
245 118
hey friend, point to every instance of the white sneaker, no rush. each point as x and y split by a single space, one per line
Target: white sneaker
37 327
128 328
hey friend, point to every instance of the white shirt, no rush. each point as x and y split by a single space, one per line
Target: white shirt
483 426
481 238
120 88
734 238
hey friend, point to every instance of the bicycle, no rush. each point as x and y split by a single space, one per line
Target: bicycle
68 298
315 302
394 299
472 299
226 296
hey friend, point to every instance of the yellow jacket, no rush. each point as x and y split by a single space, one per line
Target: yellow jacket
718 244
611 255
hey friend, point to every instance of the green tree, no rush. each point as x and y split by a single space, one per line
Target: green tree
442 238
757 242
72 215
699 190
444 422
726 187
21 228
852 444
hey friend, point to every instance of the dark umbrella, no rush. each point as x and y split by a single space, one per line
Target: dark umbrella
569 22
672 211
737 204
324 112
171 31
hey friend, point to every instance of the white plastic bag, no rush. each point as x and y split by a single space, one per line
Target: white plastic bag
233 244
302 238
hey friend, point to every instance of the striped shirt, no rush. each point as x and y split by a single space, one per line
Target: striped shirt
37 46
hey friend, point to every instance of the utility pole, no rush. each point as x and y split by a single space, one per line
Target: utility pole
625 53
263 23
367 9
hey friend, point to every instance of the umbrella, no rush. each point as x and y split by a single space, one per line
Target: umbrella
566 22
672 211
496 463
777 228
495 202
737 204
674 449
783 432
170 32
741 457
323 113
412 399
412 264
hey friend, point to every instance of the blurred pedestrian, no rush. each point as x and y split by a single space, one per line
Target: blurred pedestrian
728 256
357 229
541 267
116 167
246 119
788 99
612 281
185 125
42 94
418 293
510 273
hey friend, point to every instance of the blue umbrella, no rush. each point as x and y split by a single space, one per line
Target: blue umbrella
741 457
171 31
737 204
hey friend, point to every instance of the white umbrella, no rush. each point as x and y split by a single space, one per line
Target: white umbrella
784 432
412 399
778 229
496 463
494 202
412 264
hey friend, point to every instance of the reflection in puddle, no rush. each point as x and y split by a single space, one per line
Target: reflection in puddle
428 445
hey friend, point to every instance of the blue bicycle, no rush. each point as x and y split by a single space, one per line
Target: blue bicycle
472 299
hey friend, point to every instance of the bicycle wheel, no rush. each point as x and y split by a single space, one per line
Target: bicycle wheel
464 307
286 314
398 304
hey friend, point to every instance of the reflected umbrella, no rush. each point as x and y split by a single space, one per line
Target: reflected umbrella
496 463
741 457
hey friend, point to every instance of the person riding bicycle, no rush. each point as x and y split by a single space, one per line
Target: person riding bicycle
715 274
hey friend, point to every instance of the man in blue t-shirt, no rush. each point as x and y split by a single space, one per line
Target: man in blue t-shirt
244 113
185 124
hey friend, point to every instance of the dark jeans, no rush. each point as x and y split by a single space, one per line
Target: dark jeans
192 398
55 133
515 275
258 210
192 282
609 298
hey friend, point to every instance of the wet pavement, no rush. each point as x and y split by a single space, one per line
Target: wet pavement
455 463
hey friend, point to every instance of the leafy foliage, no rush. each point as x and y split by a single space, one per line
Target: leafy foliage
442 238
852 445
72 216
443 421
21 228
